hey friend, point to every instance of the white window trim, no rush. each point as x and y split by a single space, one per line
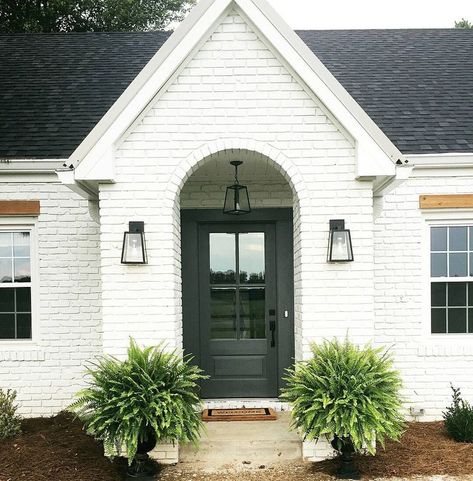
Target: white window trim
26 224
432 218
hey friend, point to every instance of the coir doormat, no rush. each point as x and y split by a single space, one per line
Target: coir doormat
240 414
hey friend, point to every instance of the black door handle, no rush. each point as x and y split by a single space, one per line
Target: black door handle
272 328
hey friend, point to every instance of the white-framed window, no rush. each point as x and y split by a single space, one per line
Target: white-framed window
451 278
16 282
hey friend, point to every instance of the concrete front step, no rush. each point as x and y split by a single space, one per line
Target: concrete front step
238 442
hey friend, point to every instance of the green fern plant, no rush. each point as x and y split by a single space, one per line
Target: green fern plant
345 392
152 390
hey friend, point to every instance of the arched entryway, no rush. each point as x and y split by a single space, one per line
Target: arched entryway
238 276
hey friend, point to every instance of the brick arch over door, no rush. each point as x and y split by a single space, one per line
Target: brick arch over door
278 161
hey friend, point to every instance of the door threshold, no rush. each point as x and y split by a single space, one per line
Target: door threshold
236 403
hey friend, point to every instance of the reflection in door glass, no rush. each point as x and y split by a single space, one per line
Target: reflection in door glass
252 323
223 322
222 258
251 257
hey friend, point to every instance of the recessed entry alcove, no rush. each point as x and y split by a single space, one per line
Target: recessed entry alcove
238 275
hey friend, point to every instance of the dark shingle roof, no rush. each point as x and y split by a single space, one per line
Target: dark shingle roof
417 85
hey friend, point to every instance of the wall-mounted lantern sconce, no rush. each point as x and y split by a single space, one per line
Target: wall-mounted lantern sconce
339 243
134 247
237 201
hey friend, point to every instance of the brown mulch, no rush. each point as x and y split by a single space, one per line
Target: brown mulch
425 449
58 449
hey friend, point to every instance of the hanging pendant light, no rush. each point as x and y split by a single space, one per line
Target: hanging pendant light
237 201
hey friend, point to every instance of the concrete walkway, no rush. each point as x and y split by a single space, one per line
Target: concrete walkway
250 443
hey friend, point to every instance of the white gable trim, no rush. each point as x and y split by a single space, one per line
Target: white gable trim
93 159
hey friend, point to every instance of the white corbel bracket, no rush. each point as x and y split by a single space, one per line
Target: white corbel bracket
385 185
67 177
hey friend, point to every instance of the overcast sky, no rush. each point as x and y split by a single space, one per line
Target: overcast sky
322 14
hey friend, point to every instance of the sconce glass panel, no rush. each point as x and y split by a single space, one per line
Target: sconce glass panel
134 249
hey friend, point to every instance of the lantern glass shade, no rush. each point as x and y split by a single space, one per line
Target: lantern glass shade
340 248
237 201
134 247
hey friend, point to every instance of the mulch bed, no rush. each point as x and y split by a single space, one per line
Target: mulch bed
58 449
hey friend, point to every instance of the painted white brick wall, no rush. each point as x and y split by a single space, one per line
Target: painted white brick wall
234 92
47 373
402 318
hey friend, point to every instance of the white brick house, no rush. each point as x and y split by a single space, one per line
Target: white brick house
233 82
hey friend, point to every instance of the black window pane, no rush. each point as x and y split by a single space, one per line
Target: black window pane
470 293
7 326
23 299
7 300
438 265
438 294
457 239
439 320
470 320
458 265
457 320
438 238
457 294
23 326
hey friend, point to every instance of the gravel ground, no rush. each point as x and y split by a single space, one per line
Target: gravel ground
291 472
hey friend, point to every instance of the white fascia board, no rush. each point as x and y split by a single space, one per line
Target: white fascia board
39 166
441 161
97 147
376 155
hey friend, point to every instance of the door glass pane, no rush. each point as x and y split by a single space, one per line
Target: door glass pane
222 258
458 265
223 322
457 239
252 309
251 256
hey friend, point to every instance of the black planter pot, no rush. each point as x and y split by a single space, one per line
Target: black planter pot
347 469
142 468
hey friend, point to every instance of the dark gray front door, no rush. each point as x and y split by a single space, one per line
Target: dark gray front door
233 320
238 309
